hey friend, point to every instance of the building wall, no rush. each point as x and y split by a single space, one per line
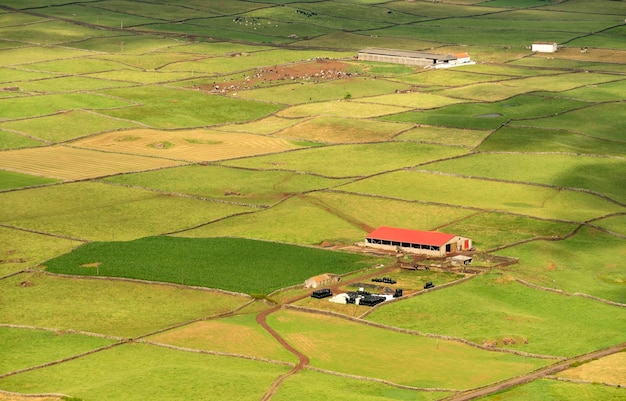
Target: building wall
395 59
544 47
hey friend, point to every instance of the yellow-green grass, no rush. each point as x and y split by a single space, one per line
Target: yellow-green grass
11 180
502 70
213 49
160 11
228 64
107 307
340 108
13 77
14 18
141 77
71 66
492 230
616 224
489 115
97 211
64 126
69 84
126 43
239 334
355 41
11 140
444 136
456 9
608 370
497 310
295 221
340 10
533 140
589 263
50 32
347 347
585 6
505 89
228 184
544 389
24 348
450 77
174 108
34 54
264 126
558 63
414 100
97 16
21 250
311 385
137 372
610 39
192 145
342 130
597 174
296 93
351 160
597 120
598 93
522 199
40 105
67 163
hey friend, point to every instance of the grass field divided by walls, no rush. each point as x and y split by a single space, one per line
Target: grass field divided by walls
253 267
589 263
340 108
616 224
11 180
609 91
348 347
495 308
444 135
97 211
24 348
610 369
136 372
106 307
554 389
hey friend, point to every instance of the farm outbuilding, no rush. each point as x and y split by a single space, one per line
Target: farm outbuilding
404 57
430 243
544 47
322 280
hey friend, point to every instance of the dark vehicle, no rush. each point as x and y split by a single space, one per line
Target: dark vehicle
429 285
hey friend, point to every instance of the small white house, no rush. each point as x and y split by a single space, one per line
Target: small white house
545 47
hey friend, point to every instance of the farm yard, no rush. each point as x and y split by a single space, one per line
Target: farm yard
172 173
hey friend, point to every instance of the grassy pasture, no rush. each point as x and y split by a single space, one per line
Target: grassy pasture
444 135
529 22
596 120
340 109
487 115
597 93
126 43
342 130
49 33
12 75
11 180
85 66
417 100
10 140
142 77
311 385
263 126
491 230
350 160
228 184
558 390
8 18
23 348
428 10
589 262
64 126
495 308
208 262
67 163
493 196
159 11
616 224
69 84
566 63
245 337
352 348
592 173
105 307
449 77
609 369
355 41
97 16
33 54
21 250
190 145
611 39
97 211
136 372
532 139
581 6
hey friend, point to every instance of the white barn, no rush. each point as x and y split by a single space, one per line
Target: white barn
545 47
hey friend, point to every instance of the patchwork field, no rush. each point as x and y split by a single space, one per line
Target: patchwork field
171 174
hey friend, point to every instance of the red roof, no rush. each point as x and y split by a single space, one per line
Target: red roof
435 238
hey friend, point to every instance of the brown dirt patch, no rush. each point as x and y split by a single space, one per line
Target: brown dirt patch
10 397
94 264
313 71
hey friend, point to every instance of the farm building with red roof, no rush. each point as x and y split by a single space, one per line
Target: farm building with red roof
430 243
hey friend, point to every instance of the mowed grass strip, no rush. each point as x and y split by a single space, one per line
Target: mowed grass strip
311 385
545 389
522 199
136 372
352 348
24 348
189 145
497 310
245 337
67 163
106 307
351 160
96 211
588 263
228 184
596 174
234 264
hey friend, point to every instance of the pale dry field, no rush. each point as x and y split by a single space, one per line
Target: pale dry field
609 370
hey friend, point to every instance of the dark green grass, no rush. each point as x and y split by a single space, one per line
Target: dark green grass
9 140
253 267
10 180
555 62
597 93
544 389
487 115
96 16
